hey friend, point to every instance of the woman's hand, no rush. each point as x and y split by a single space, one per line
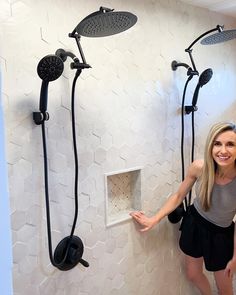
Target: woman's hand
230 268
142 219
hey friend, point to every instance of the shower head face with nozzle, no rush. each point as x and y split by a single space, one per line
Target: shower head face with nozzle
50 68
105 23
219 37
205 77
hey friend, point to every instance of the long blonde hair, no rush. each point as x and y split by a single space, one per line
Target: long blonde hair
207 178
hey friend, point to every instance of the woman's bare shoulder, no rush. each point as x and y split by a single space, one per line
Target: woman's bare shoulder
196 167
198 163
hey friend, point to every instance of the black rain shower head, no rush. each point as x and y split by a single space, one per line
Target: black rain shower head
105 22
219 37
101 23
204 78
49 69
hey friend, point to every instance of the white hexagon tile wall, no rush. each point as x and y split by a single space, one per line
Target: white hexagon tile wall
127 116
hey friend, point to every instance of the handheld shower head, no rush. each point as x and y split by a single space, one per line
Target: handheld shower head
49 69
219 37
204 78
105 22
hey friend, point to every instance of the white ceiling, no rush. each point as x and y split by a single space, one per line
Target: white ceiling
227 7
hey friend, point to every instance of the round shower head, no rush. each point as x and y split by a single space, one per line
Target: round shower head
50 67
219 37
205 77
105 22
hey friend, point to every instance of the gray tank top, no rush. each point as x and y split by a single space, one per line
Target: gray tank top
223 204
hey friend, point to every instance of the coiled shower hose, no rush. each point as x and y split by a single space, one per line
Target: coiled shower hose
75 178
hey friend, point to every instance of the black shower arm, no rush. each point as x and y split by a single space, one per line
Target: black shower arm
75 35
218 28
175 65
191 58
64 54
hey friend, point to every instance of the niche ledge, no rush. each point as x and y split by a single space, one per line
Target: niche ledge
123 194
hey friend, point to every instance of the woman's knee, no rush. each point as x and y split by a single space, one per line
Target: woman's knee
194 268
193 274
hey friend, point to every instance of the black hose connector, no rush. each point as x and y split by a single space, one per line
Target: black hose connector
177 214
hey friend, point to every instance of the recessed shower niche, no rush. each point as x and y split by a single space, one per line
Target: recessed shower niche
123 194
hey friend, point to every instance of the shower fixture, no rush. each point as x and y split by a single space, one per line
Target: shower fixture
178 213
69 251
190 71
49 69
102 23
204 78
189 50
221 36
218 37
105 22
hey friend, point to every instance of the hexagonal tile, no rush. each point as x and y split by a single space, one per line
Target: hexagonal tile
18 219
99 155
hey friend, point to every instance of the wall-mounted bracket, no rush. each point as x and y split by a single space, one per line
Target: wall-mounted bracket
190 71
189 109
76 64
40 117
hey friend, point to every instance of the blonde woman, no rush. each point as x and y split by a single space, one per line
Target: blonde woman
207 229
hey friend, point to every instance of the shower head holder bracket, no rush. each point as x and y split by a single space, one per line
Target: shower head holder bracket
76 64
40 117
189 109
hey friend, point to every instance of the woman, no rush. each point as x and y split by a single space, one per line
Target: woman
207 229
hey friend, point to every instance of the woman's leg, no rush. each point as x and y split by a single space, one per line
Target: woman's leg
194 272
223 283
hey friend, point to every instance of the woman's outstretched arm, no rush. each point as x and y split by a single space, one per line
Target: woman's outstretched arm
173 201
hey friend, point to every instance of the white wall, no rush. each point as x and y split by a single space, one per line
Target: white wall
128 115
5 228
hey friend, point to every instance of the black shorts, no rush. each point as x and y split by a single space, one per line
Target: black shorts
201 238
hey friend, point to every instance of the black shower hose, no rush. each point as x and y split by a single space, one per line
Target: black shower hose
78 72
192 154
182 135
